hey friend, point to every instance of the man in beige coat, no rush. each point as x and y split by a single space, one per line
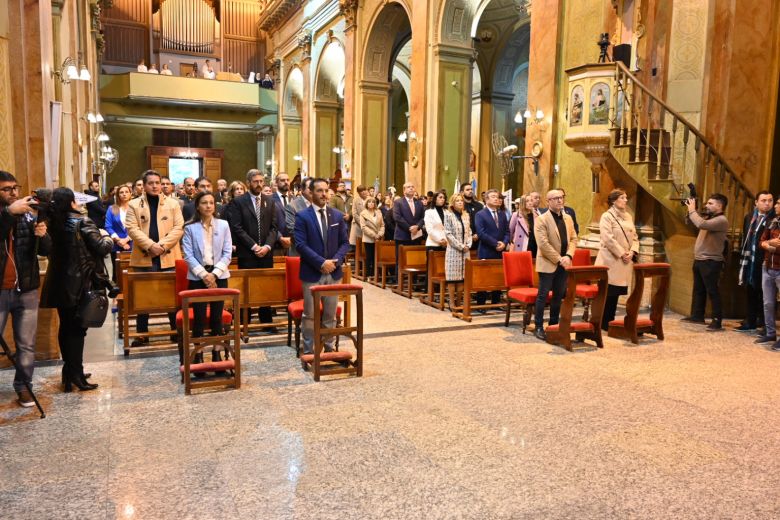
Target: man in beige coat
556 241
155 224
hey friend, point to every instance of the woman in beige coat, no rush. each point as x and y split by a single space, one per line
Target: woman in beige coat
619 244
372 226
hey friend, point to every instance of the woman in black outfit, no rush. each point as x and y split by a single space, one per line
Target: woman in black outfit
75 264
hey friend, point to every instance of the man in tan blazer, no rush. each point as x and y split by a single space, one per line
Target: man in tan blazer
556 241
156 225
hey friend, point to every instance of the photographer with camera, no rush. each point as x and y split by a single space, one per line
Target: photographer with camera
76 267
21 235
708 257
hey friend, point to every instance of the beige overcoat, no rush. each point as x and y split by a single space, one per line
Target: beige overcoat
618 235
170 226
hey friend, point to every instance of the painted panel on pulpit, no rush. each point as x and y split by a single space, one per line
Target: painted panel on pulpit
577 99
599 104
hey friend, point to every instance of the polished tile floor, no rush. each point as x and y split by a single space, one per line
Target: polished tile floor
451 420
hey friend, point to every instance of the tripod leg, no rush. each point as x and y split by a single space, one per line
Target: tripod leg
10 356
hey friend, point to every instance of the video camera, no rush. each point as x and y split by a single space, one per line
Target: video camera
42 198
692 191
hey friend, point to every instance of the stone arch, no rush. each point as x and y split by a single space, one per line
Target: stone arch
390 27
293 93
330 72
328 109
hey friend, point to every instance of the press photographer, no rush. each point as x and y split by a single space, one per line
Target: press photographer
22 236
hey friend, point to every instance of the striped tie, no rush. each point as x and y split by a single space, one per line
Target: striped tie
258 214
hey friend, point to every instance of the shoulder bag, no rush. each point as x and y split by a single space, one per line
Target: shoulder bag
93 304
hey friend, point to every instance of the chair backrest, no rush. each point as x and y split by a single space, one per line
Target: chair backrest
265 287
280 261
484 275
412 257
150 293
581 257
385 252
436 267
292 266
518 269
578 275
182 284
658 300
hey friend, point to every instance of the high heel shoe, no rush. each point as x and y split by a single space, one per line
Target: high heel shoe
79 381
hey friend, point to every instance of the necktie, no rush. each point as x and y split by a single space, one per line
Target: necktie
411 205
258 214
284 200
495 218
323 226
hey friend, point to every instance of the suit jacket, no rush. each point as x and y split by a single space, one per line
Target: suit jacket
759 253
548 241
573 215
311 247
243 225
402 215
490 234
170 227
192 244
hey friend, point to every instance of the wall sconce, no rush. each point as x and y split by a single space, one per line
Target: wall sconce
103 137
339 150
69 71
94 118
297 157
269 162
403 137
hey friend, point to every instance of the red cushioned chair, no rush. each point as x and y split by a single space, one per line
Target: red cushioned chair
631 325
560 333
519 278
182 284
292 265
585 291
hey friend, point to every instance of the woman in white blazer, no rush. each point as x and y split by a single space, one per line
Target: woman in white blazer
434 222
207 247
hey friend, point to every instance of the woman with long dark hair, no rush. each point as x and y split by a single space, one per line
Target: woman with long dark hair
76 265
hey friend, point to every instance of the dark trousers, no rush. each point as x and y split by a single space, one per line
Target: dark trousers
142 321
113 266
369 249
266 262
199 310
706 276
754 311
71 339
555 282
610 305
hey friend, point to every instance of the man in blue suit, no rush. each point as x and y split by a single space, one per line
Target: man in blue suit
493 231
409 216
322 241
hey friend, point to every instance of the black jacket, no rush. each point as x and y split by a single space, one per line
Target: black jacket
96 210
76 263
243 224
26 248
759 259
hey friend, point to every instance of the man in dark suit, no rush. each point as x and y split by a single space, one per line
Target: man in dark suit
752 258
409 217
323 242
202 185
298 204
283 199
493 230
254 229
472 206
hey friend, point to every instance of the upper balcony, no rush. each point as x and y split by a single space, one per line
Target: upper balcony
136 94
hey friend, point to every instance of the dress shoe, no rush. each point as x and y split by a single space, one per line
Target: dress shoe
765 339
692 319
776 347
69 381
137 342
540 334
745 328
714 325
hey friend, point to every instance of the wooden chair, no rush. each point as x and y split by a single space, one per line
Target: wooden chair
436 277
147 293
519 279
560 333
262 288
360 260
336 362
585 291
230 341
480 275
412 262
384 259
631 325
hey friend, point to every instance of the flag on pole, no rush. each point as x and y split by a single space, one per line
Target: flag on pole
457 186
376 185
474 187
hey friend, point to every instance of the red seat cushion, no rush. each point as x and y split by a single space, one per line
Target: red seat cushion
588 291
211 366
328 356
577 326
640 322
227 318
526 294
296 309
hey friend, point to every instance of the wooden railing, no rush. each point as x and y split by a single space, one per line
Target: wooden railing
673 148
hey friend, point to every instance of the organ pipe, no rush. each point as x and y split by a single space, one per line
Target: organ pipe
188 25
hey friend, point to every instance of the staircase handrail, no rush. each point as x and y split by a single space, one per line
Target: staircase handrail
690 126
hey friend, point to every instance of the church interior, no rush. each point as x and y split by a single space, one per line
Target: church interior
455 415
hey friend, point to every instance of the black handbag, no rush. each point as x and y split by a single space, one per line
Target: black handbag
93 305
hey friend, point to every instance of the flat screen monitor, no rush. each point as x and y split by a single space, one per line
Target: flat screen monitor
179 169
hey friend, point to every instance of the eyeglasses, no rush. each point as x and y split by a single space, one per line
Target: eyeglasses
9 189
555 198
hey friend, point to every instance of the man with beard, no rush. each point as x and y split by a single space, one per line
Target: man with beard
472 206
283 199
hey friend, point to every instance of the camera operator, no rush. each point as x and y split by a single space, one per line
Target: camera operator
708 257
22 236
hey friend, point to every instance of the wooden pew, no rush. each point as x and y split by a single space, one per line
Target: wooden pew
631 325
384 258
560 333
412 262
480 275
147 293
360 260
436 277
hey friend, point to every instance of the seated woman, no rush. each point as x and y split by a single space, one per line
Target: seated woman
206 247
115 224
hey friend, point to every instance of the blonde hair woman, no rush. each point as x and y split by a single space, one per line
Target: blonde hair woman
457 229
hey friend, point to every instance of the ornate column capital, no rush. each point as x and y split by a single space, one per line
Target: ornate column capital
348 9
304 43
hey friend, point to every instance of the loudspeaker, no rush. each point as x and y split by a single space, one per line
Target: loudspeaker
622 53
